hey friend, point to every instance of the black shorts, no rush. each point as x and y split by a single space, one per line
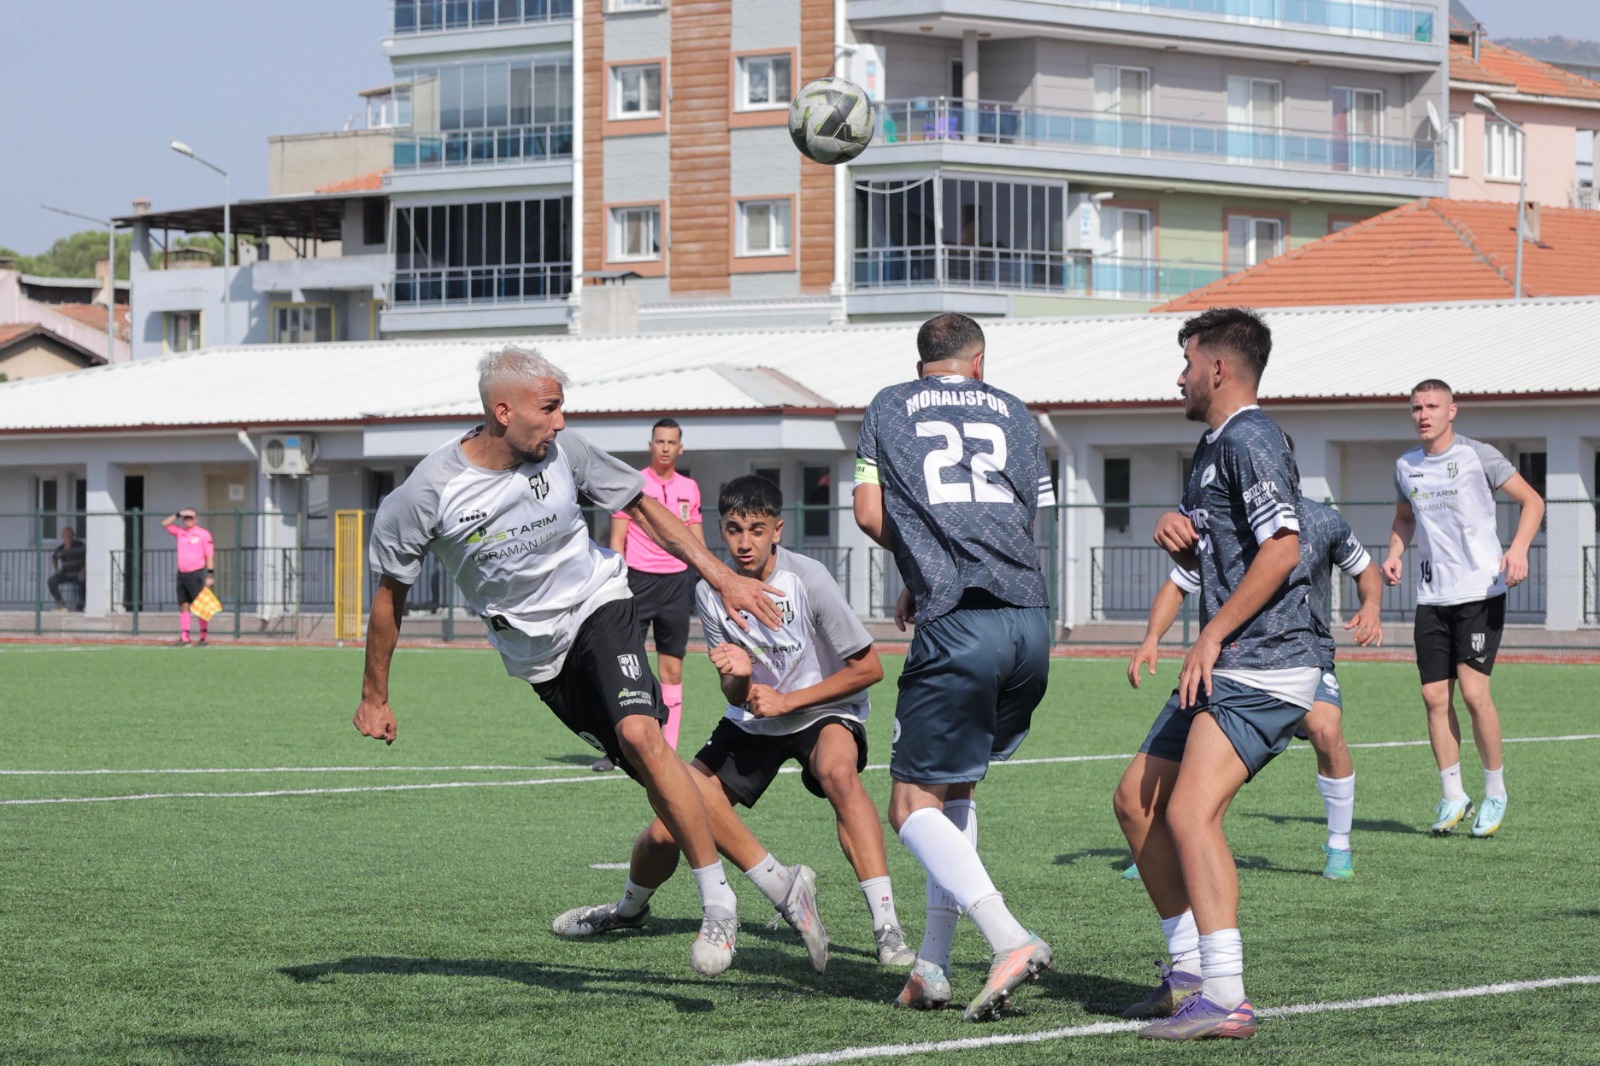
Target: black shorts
746 763
190 584
1459 633
665 601
604 679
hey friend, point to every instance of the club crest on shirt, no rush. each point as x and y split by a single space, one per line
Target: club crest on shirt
629 665
785 608
683 510
1209 476
1450 468
540 485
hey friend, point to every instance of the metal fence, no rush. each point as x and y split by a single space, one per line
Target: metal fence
273 570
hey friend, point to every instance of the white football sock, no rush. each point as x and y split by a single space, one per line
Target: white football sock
951 860
1183 942
1450 778
1339 799
1222 967
634 899
1494 783
771 877
716 896
880 901
942 914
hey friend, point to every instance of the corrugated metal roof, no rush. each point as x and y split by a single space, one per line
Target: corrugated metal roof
1536 347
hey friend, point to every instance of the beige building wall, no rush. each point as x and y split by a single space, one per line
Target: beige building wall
38 357
300 163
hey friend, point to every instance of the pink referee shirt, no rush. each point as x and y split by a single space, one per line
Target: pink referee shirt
193 545
681 496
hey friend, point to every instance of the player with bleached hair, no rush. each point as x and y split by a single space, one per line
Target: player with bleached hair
499 508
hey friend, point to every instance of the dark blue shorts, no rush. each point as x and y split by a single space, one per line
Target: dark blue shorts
1258 724
1327 692
967 693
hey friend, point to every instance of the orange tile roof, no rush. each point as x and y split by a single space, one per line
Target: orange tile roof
1497 65
1429 251
364 183
10 331
94 316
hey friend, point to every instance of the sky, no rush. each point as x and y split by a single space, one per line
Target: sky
95 90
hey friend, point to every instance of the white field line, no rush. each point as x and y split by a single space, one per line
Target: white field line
578 774
886 1051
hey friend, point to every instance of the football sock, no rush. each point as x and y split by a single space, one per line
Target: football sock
673 695
183 623
771 877
1183 942
1450 778
943 912
995 922
1339 799
716 897
1222 967
634 899
880 901
204 625
1494 783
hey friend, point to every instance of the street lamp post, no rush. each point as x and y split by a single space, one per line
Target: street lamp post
227 236
111 269
1486 105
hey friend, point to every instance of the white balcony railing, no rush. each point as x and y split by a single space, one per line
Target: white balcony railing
498 146
1012 270
528 283
1391 20
987 122
438 16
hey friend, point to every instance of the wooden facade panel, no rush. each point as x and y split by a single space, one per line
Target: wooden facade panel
593 177
816 181
700 142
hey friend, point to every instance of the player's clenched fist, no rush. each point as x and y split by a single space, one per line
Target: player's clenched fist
374 719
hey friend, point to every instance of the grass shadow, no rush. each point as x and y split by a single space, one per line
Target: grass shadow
1096 993
1362 825
1119 857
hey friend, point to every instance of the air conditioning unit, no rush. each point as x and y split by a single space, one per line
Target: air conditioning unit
1083 223
288 454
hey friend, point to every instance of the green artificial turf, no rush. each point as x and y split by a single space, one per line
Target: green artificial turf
412 926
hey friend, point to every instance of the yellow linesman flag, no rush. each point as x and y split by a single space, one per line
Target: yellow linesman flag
205 605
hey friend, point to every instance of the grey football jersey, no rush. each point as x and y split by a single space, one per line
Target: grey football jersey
1244 487
819 632
963 474
515 542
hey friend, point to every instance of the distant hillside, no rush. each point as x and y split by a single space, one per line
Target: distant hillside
1555 49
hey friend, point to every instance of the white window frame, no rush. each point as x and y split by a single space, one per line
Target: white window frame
620 216
620 74
1252 253
776 209
1502 151
745 63
302 325
619 7
192 336
1456 144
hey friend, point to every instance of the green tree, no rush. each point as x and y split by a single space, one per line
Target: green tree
75 256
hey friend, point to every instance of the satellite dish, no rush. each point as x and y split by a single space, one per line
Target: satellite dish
1433 118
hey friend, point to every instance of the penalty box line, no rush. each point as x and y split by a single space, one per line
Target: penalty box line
884 1051
588 776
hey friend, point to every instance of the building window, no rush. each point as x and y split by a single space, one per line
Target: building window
302 324
635 233
500 252
1130 269
1357 130
374 220
1118 494
1254 121
619 6
636 91
764 227
1253 240
1122 95
183 331
764 82
1455 136
485 112
49 504
817 519
1502 151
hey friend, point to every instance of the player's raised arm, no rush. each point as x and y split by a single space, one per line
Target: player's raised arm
1163 612
736 593
373 716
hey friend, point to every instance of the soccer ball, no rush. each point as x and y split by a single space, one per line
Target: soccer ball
831 121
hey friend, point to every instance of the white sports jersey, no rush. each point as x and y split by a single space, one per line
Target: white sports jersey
515 541
1452 495
818 634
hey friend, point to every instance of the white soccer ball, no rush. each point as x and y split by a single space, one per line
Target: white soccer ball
831 121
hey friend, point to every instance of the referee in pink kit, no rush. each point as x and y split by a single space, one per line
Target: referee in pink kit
662 584
197 566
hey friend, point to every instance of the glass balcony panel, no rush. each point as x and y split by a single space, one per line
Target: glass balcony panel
1393 20
435 16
